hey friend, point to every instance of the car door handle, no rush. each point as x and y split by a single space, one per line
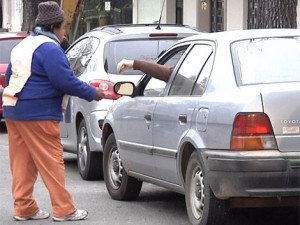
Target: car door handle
147 117
182 118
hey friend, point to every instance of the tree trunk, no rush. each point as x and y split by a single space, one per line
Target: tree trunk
30 11
276 14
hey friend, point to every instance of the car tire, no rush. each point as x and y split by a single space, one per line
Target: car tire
89 163
119 185
201 204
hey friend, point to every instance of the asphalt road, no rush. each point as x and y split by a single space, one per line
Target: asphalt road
155 206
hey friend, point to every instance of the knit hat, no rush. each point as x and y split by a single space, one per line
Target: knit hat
49 13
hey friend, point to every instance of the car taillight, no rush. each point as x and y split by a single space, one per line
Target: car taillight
252 131
107 87
2 79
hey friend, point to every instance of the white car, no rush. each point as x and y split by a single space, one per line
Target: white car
94 57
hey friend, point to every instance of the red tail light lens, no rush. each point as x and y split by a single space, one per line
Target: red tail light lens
163 35
2 79
252 131
107 87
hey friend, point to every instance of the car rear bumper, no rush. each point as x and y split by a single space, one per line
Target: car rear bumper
252 174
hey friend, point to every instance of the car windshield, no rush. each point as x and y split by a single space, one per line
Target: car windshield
267 60
133 49
6 46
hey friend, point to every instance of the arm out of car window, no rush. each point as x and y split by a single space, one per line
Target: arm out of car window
157 71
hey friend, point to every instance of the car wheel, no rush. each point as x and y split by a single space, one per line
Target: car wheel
202 205
89 163
120 186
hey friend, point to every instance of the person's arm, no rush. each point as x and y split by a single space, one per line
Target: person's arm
157 71
62 77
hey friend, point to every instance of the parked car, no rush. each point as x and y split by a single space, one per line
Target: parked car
225 125
8 40
94 57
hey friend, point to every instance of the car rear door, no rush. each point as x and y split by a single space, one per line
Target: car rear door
73 55
173 113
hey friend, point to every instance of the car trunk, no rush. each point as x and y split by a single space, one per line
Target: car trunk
282 105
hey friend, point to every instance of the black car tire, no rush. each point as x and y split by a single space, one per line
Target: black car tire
203 208
89 163
119 185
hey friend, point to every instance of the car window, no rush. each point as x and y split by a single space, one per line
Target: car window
156 87
201 82
165 44
75 51
6 46
188 72
80 55
267 60
133 49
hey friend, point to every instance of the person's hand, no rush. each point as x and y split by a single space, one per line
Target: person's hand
99 94
106 94
124 64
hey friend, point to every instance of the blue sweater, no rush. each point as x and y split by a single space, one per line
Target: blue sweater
50 80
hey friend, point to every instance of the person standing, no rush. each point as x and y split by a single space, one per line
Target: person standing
38 77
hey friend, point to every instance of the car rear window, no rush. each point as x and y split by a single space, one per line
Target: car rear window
133 49
267 60
6 46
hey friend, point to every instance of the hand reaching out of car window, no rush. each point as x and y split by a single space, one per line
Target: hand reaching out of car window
161 72
124 64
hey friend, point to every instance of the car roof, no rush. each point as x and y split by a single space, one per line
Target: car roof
231 36
145 29
13 35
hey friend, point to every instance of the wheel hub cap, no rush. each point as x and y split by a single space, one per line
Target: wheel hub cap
115 169
197 194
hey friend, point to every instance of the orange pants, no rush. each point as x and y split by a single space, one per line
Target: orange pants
35 147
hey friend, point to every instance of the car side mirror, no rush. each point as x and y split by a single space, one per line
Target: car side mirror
124 88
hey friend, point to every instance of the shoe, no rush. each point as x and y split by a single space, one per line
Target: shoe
79 214
38 216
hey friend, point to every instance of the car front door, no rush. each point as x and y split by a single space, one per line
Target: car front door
136 124
173 114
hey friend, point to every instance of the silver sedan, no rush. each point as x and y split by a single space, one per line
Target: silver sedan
226 125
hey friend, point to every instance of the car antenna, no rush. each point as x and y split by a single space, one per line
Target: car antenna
162 8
